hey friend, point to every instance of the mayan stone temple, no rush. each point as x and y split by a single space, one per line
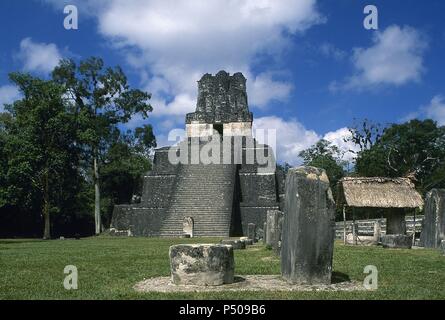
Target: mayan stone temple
214 182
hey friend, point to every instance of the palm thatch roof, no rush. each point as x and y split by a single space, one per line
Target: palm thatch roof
377 192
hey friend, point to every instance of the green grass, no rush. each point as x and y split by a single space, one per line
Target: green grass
109 267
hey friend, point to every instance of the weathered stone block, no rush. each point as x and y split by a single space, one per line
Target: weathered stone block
251 231
395 221
280 232
362 240
265 233
236 244
119 233
433 229
201 264
259 234
397 241
308 227
273 232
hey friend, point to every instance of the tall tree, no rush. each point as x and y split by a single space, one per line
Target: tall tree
284 167
125 163
5 119
327 156
415 149
40 146
102 99
365 134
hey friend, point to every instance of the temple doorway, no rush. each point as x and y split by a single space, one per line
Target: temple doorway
187 226
219 128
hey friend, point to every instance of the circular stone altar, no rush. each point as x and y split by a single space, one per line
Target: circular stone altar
201 264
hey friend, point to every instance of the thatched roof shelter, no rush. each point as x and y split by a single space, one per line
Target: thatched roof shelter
377 192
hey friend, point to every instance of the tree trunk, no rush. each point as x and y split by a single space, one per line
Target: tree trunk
46 218
96 197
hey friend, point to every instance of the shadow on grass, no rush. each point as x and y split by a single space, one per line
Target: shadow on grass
22 241
338 277
237 279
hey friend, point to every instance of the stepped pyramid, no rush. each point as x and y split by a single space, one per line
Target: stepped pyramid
216 181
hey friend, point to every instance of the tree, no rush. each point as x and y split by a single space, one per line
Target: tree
284 167
365 134
326 156
124 165
102 99
4 119
40 146
415 149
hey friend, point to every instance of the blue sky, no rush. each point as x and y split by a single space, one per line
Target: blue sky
311 65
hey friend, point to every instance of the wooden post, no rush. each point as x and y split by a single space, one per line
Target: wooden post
377 231
344 224
414 226
354 231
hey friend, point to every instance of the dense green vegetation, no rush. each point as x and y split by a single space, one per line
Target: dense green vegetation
65 158
109 267
327 156
414 150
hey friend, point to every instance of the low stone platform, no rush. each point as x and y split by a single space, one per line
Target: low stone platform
399 241
244 283
201 264
236 244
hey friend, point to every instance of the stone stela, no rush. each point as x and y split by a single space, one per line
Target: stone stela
433 231
308 227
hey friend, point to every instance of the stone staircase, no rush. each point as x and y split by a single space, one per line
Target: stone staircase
205 193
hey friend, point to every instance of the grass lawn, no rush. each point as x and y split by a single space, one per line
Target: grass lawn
109 267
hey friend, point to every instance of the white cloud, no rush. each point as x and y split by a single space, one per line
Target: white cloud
8 94
436 110
38 57
329 50
291 137
264 89
338 138
410 116
395 58
181 104
176 42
